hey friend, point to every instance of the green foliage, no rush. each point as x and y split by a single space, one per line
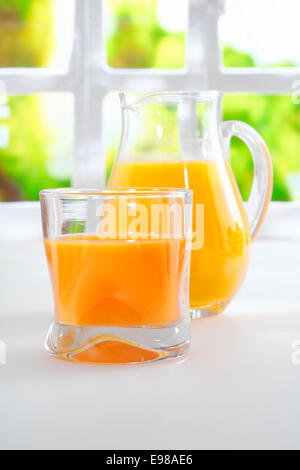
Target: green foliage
26 159
276 118
138 41
129 37
21 6
234 58
134 44
26 33
26 40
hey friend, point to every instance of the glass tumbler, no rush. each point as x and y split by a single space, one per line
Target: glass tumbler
119 262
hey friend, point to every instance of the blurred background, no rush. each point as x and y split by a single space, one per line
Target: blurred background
37 131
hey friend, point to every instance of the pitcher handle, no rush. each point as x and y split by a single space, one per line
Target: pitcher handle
262 187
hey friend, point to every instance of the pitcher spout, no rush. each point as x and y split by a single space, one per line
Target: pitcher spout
172 97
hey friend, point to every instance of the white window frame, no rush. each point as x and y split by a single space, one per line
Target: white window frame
89 79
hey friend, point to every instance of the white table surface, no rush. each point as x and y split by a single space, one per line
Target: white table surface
237 389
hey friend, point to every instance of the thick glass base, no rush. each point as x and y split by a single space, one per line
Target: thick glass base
118 345
208 311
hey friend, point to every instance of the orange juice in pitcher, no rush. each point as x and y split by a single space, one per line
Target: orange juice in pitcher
176 140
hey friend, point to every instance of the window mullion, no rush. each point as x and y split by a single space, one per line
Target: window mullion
29 81
258 80
82 95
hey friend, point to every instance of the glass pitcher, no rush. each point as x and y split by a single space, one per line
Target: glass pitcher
177 140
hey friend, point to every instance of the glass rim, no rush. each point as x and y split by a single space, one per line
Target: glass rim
65 193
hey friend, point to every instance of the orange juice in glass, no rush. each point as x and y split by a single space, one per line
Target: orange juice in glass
120 274
176 140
